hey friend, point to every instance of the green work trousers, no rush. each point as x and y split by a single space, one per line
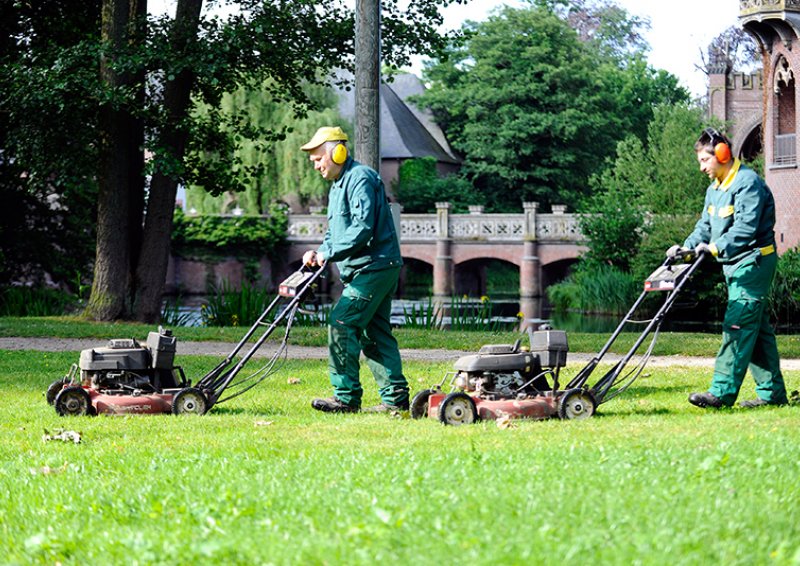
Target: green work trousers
748 340
360 322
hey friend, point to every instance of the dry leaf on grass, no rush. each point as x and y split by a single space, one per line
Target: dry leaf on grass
63 435
263 423
293 380
47 470
505 421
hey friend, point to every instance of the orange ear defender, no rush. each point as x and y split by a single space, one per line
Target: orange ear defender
722 150
339 154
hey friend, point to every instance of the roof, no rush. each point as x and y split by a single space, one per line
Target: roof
406 131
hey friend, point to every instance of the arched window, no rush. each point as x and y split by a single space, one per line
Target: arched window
784 150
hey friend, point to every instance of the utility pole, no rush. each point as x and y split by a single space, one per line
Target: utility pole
368 80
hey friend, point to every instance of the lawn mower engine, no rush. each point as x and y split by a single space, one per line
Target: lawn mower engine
505 380
126 377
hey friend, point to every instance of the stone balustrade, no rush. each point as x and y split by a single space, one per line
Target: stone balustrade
475 226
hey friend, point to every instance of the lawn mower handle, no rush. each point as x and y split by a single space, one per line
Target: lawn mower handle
606 382
213 384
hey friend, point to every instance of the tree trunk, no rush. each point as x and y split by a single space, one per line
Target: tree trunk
151 270
120 174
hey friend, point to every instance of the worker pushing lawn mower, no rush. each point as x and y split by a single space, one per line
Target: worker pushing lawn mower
126 377
737 228
507 380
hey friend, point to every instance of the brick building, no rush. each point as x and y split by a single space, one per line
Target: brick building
775 25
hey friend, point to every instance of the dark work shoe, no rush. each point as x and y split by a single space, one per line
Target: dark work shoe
704 400
757 402
386 408
333 405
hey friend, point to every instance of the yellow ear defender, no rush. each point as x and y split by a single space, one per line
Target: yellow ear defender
339 154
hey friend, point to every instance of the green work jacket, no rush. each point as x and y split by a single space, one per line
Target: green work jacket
361 234
738 218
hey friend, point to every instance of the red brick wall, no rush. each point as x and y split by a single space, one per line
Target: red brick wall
784 181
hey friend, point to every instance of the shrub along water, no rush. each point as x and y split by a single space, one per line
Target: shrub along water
595 288
34 301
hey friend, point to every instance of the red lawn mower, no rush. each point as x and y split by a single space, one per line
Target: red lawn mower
126 377
508 380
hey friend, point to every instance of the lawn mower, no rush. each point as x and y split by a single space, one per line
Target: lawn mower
126 377
507 380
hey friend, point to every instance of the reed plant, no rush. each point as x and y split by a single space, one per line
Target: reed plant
173 315
471 314
228 306
34 301
595 288
422 315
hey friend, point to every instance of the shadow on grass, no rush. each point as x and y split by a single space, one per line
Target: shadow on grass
254 412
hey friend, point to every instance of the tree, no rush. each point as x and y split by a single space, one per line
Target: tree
48 187
650 198
151 71
732 50
419 187
533 109
265 173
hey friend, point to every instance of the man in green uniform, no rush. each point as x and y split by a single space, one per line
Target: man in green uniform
362 241
737 228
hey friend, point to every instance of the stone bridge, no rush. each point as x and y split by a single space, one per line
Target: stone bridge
457 247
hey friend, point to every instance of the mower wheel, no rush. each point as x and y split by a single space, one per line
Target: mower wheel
419 403
458 409
73 401
54 390
576 404
189 401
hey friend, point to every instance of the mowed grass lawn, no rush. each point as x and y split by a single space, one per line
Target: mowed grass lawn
264 479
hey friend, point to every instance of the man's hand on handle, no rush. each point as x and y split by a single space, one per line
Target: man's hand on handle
312 258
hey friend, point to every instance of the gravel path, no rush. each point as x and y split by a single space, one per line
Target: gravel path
222 349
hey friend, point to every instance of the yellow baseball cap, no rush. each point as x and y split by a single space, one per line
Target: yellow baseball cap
325 134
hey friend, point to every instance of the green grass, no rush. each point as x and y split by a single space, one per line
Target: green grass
649 480
669 343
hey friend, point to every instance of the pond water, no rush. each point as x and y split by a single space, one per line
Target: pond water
503 314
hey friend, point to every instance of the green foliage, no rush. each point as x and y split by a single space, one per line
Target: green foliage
419 188
425 315
47 181
263 172
50 75
469 314
34 301
534 109
228 306
613 223
239 235
784 297
173 315
595 288
648 200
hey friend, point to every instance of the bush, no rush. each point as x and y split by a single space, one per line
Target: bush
784 299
